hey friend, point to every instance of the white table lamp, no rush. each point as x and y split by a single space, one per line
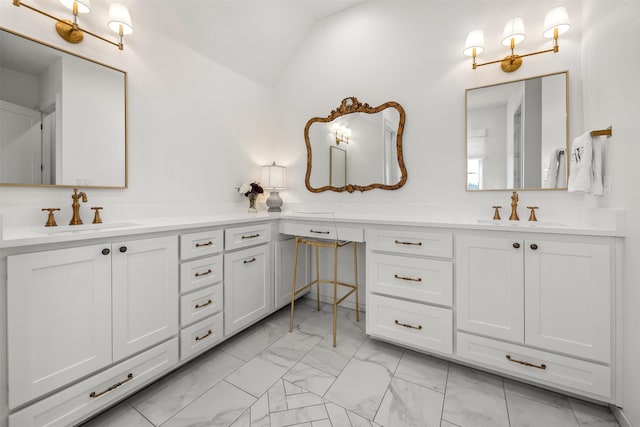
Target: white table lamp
273 180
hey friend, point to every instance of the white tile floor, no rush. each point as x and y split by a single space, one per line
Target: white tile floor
267 377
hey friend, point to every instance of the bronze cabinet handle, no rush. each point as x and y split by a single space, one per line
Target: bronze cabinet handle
123 249
208 334
248 261
94 395
209 271
204 305
199 245
419 279
516 245
400 242
522 362
106 251
253 236
319 232
419 327
534 246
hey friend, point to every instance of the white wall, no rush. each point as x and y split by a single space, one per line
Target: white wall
18 88
611 97
493 119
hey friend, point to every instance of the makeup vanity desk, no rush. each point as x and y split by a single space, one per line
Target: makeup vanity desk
135 300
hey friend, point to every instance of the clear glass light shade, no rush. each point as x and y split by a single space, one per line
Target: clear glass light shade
556 18
84 6
273 177
119 15
513 30
475 39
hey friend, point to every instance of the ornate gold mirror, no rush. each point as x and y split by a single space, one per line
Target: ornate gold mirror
356 148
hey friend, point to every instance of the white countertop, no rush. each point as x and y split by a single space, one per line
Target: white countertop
26 236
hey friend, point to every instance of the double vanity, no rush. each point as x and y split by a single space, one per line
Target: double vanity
97 312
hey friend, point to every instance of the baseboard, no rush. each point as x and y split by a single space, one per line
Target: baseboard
620 416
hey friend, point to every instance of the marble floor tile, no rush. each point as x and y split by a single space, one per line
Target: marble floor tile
337 415
220 406
119 415
251 342
162 400
292 417
410 405
260 373
244 420
321 423
592 415
314 380
423 370
364 381
474 398
360 421
537 394
525 412
447 424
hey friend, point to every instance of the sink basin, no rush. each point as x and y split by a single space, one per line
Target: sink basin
528 224
86 228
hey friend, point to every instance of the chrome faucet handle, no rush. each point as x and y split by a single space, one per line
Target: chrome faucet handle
532 216
51 221
496 213
96 217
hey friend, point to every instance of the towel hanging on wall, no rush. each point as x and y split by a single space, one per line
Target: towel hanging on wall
580 164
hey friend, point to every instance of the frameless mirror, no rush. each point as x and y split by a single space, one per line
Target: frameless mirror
62 117
356 148
517 134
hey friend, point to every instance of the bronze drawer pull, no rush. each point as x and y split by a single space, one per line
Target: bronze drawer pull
534 246
400 242
319 232
94 395
516 245
204 305
250 260
419 327
204 274
106 251
199 245
522 362
209 332
253 236
419 279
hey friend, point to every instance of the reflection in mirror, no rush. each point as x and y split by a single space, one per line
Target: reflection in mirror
62 117
372 137
517 134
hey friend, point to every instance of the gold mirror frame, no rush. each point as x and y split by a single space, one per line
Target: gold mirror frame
348 106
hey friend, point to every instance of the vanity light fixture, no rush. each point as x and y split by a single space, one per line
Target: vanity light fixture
119 21
273 180
342 133
556 22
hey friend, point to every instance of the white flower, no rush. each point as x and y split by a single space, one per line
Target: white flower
244 188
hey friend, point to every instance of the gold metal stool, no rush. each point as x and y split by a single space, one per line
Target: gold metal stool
325 243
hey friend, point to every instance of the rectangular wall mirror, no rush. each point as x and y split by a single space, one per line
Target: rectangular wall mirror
517 134
63 118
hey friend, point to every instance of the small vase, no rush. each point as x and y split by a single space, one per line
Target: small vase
252 204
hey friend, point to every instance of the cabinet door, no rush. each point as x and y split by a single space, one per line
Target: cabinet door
284 258
248 292
59 318
489 286
145 294
568 298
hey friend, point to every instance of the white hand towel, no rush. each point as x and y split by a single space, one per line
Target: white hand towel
551 177
580 166
596 167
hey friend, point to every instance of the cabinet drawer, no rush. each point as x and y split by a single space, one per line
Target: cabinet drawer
242 237
416 325
199 244
565 372
200 336
324 230
75 403
200 304
419 279
201 272
411 242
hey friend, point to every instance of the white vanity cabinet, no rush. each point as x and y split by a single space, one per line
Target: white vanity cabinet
551 295
73 311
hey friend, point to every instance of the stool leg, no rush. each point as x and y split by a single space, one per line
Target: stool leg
355 275
335 290
317 278
293 286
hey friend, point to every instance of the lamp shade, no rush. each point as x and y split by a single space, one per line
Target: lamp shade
556 18
84 6
273 177
475 39
119 15
513 30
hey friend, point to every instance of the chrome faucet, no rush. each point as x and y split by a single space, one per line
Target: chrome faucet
75 219
514 207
